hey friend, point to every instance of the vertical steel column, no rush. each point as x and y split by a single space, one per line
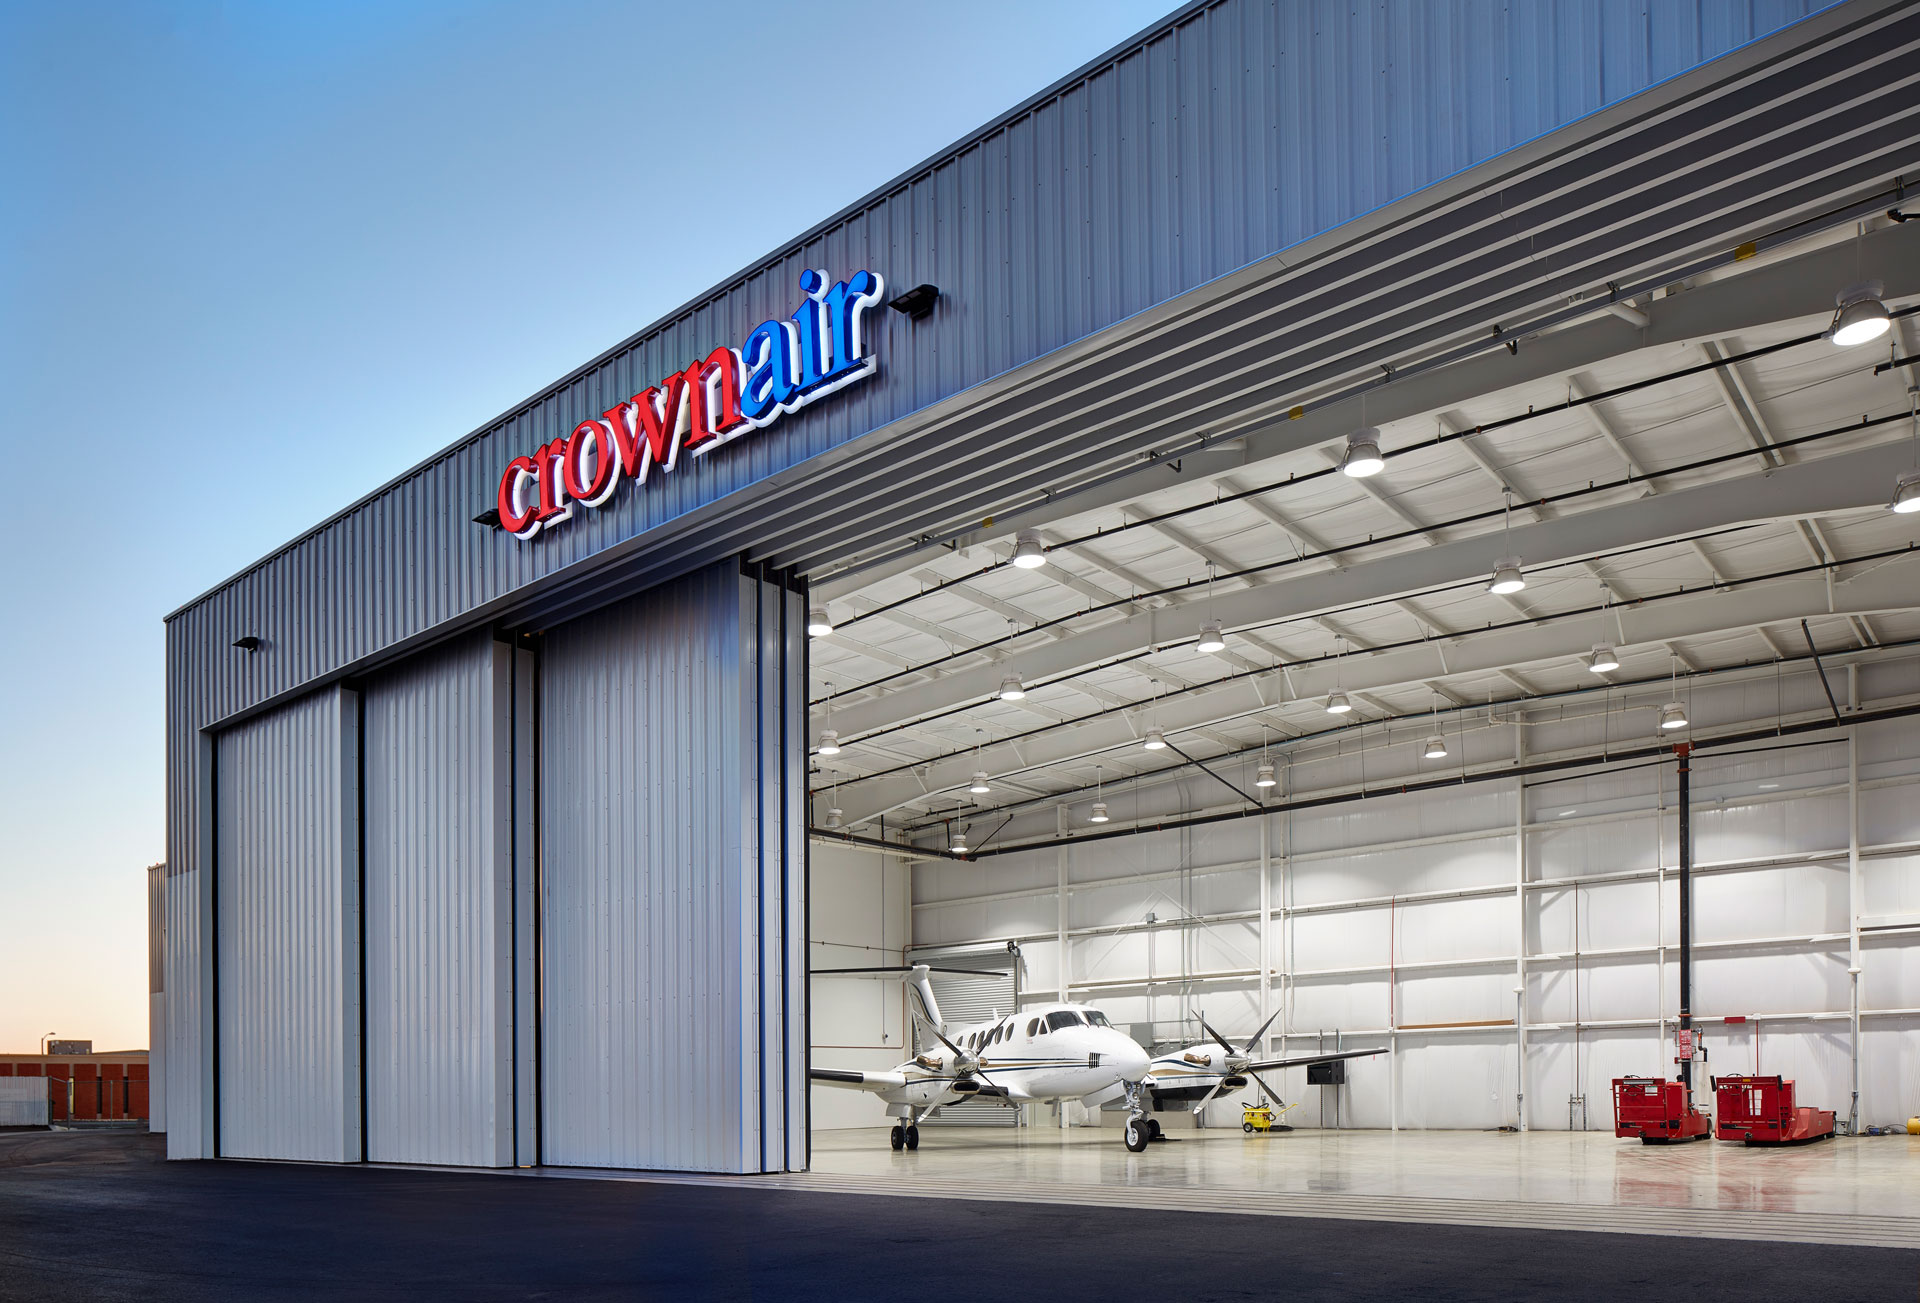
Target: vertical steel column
1854 901
1520 923
1266 916
1681 751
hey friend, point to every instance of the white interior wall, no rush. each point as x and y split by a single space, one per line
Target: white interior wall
1393 920
858 902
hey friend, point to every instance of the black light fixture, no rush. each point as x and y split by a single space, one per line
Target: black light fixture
490 518
916 302
247 644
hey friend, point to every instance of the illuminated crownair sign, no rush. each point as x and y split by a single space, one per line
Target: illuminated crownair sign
783 366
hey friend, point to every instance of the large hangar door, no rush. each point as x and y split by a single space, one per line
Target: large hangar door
439 908
672 739
286 926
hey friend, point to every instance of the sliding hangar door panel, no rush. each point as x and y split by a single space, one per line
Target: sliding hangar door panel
286 921
439 908
672 984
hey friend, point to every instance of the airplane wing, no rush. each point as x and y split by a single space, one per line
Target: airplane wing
875 1081
1300 1060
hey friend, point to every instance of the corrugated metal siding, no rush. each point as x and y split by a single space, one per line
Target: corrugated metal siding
1233 131
439 947
659 901
287 933
157 996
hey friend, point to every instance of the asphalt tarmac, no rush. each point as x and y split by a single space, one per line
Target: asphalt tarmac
102 1217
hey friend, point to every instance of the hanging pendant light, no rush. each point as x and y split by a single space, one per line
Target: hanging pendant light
819 623
1263 777
1673 715
1506 571
1436 748
1027 552
1860 316
1010 689
980 787
959 843
1211 639
1155 740
1337 703
1603 660
1362 457
1099 812
833 818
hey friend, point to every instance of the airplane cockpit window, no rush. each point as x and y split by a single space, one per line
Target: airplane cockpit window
1033 1028
1063 1018
1097 1018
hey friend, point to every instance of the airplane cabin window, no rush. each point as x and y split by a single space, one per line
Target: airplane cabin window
1063 1018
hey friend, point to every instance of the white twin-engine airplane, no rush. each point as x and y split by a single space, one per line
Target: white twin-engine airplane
1053 1052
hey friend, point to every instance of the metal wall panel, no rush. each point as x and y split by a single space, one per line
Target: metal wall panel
287 933
157 996
662 870
1229 132
439 910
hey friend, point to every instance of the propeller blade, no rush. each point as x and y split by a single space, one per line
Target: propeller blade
1253 1041
1225 1044
1301 1060
1271 1093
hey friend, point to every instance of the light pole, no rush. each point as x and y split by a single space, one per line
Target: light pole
43 1042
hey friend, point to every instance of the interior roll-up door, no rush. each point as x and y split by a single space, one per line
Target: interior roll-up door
992 987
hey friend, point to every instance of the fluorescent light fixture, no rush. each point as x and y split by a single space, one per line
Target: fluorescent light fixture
1027 552
1436 748
829 743
1099 814
1506 576
980 787
1673 715
1010 689
1362 457
1603 660
1906 494
1156 740
1210 638
1337 703
1862 317
1264 777
819 625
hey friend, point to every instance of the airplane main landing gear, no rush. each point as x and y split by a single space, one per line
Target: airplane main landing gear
1153 1128
913 1137
904 1136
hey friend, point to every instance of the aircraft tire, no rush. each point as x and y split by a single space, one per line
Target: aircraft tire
1136 1136
1153 1128
913 1137
897 1137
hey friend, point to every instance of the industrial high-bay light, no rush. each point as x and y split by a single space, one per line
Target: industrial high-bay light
1099 812
1506 571
1362 457
1027 552
1155 740
1211 639
1906 490
1673 715
1603 660
819 624
1010 689
1263 776
1436 748
980 787
1860 317
1337 703
829 743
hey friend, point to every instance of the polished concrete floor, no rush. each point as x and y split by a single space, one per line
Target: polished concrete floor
87 1218
1864 1190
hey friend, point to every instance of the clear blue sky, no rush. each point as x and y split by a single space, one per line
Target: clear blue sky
255 259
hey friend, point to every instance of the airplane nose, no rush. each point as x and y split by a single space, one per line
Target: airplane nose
1128 1057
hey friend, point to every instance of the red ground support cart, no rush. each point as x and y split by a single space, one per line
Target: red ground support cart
1656 1111
1761 1111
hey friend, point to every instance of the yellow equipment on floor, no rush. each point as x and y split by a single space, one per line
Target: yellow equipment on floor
1262 1117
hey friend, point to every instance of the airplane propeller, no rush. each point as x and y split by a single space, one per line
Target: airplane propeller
1245 1056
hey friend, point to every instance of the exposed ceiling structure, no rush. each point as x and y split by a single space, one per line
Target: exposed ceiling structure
1680 486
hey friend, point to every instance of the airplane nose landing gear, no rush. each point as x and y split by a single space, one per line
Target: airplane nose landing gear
1137 1137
